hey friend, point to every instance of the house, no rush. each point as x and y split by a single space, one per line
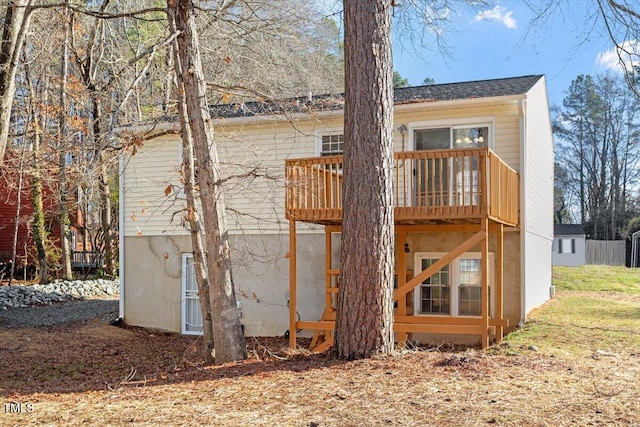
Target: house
16 206
473 200
569 245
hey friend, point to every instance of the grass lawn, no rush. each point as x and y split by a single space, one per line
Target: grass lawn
575 363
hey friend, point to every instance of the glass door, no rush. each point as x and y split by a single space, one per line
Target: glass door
431 176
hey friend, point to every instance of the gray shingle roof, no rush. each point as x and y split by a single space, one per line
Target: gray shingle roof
408 95
568 230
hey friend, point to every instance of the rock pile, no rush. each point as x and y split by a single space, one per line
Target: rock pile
24 296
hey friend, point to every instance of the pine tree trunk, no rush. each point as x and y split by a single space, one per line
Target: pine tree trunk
364 322
227 330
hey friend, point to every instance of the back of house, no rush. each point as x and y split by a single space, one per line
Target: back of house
466 154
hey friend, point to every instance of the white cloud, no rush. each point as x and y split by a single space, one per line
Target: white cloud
621 58
498 14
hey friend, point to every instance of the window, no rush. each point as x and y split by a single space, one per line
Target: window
435 292
567 246
191 312
456 289
332 144
461 136
442 182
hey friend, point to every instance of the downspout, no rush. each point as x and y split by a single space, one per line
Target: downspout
121 235
522 108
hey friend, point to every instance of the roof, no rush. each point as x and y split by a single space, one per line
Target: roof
568 230
408 95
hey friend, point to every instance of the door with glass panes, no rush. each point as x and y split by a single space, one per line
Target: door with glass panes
450 180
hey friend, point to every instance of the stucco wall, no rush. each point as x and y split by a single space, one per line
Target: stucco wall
153 288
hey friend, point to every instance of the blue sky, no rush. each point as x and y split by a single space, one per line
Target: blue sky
500 42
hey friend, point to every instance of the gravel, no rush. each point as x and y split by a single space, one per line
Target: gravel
58 303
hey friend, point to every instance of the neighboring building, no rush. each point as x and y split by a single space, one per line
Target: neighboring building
474 188
569 245
20 209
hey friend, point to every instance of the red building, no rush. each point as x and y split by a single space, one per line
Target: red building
16 205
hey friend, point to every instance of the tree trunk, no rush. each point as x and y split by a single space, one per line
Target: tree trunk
227 330
103 183
364 322
39 230
40 234
105 220
195 228
16 227
15 24
63 209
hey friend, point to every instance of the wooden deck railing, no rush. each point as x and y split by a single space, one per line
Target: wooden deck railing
86 259
428 185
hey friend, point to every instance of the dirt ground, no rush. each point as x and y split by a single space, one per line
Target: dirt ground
91 373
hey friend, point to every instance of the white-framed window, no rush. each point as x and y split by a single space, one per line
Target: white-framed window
191 313
331 144
455 290
567 246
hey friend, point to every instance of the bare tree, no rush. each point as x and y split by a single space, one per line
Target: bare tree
364 321
15 26
63 189
597 144
198 132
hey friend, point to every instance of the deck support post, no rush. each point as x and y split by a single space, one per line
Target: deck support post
500 281
484 265
401 274
292 283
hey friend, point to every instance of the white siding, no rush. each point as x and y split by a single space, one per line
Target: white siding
147 210
256 202
538 173
536 271
537 198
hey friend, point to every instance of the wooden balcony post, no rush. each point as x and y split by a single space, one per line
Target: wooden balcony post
401 269
500 281
484 265
292 283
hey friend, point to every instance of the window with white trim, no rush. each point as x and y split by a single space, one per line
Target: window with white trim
191 313
455 290
331 144
567 246
448 176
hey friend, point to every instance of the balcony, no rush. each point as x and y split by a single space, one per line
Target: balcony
435 186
